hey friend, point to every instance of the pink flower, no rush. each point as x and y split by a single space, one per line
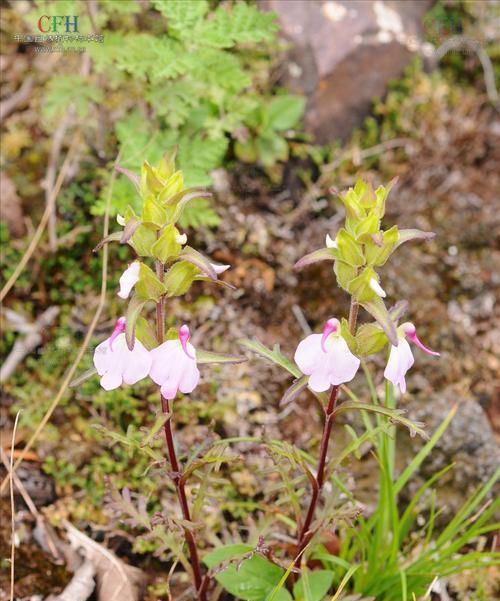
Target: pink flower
326 358
129 278
174 365
401 357
116 364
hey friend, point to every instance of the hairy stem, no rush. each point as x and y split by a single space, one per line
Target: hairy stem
305 534
176 474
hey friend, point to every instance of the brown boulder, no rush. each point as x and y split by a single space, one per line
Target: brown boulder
344 53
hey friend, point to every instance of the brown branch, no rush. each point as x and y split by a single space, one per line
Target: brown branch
10 104
26 344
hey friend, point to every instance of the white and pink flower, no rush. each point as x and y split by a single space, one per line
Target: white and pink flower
118 365
174 365
129 279
401 357
326 358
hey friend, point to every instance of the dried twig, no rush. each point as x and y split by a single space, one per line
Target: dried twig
462 41
12 512
81 586
10 104
25 344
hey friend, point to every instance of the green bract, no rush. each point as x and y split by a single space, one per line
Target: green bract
361 247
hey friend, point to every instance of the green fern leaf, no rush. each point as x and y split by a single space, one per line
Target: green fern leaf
182 15
63 90
244 24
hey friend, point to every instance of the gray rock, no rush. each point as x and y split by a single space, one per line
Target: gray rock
344 53
469 443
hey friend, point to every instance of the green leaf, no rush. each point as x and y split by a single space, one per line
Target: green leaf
274 355
285 111
167 247
366 227
413 234
242 24
313 586
65 90
179 278
370 339
145 333
254 580
376 307
345 273
323 254
149 287
143 239
114 237
200 261
199 213
153 212
294 390
182 15
173 186
134 309
377 254
348 249
360 288
395 415
271 148
345 330
246 151
225 553
209 357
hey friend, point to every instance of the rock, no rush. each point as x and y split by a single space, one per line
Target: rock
343 55
468 442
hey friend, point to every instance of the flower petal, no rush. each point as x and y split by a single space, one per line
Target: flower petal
343 365
102 359
111 379
163 360
138 364
190 377
309 353
128 279
319 381
400 361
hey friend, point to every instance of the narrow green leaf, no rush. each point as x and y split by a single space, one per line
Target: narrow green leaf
134 309
393 414
376 307
323 254
203 357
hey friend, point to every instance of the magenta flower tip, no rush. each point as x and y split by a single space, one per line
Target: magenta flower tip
119 328
331 326
184 336
411 333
